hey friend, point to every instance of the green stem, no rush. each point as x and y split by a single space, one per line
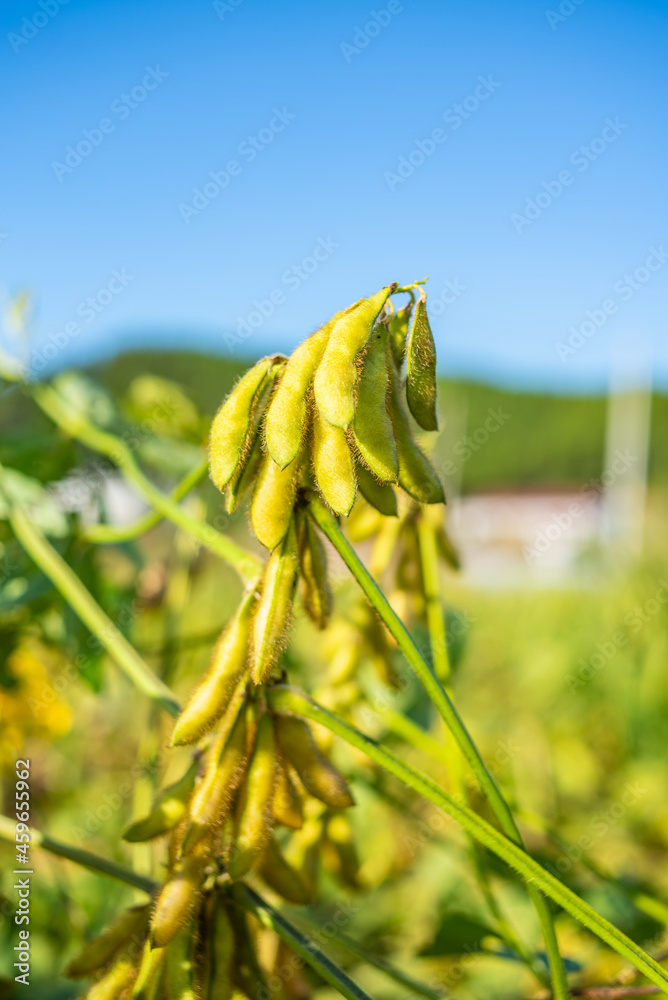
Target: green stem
288 699
302 945
85 858
441 699
429 563
245 563
109 534
89 611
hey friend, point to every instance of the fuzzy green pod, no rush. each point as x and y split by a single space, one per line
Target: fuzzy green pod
269 630
398 333
226 766
315 589
247 975
333 465
251 458
417 476
177 900
149 976
96 953
318 775
421 369
167 811
213 693
282 877
232 422
339 851
304 854
372 426
335 376
287 411
379 495
288 809
114 982
254 818
179 972
274 500
220 953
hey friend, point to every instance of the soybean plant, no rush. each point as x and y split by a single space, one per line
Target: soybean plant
325 437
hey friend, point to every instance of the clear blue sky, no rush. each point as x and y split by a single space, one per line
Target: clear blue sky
364 92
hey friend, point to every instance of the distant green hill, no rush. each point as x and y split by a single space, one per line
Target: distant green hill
544 440
498 438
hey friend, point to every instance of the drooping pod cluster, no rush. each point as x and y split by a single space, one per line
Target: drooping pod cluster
223 819
334 416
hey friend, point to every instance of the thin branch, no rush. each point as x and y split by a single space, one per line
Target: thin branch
89 611
302 945
75 424
445 706
288 699
80 857
109 534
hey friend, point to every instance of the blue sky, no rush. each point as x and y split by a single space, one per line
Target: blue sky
515 153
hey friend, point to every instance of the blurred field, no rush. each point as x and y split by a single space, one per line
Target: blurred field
564 689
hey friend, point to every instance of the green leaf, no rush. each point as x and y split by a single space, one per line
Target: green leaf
456 933
29 494
85 396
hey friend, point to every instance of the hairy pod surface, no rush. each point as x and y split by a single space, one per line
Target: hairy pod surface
247 974
286 415
220 953
417 476
253 824
288 808
379 495
251 457
100 950
167 811
273 500
213 693
315 588
398 325
318 775
232 422
340 851
372 426
114 982
304 853
179 973
149 977
335 376
226 766
421 369
280 876
177 900
270 627
333 465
